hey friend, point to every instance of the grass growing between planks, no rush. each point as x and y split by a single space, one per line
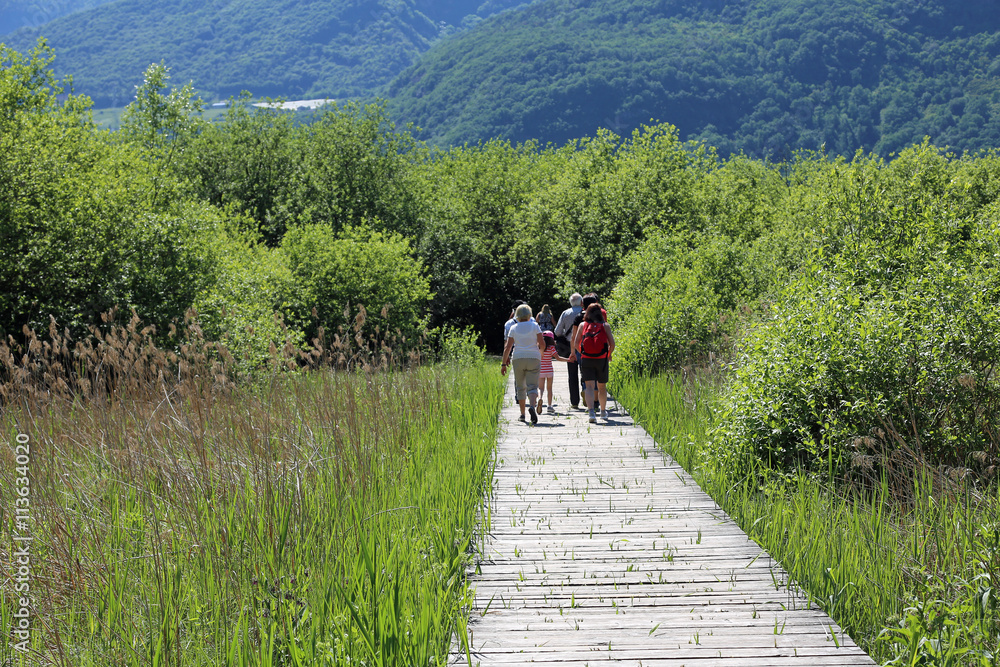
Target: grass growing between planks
313 518
904 557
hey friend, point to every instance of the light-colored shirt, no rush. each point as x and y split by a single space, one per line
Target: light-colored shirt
564 327
525 335
509 323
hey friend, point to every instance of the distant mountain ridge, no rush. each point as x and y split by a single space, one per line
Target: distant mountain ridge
16 14
292 48
766 77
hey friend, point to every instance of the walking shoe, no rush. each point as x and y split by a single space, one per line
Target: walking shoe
534 415
521 418
551 410
593 417
604 415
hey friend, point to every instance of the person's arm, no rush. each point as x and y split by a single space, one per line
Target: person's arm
572 347
541 341
506 356
611 339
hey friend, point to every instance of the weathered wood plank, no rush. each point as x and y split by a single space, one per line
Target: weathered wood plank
601 550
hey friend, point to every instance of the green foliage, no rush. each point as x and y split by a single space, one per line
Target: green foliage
82 227
247 164
889 338
161 121
677 302
358 267
685 294
352 166
246 306
347 167
460 346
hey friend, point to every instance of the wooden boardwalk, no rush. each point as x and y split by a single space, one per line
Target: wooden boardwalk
603 550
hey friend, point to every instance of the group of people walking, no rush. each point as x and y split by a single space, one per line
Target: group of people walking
581 338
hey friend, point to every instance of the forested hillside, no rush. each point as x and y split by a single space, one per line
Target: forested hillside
766 77
291 48
16 14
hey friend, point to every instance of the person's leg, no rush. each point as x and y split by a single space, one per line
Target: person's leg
549 381
590 388
573 370
531 369
602 396
517 365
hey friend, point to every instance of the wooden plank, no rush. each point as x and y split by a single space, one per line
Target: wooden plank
602 550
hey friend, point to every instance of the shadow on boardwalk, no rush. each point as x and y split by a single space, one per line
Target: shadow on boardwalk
602 550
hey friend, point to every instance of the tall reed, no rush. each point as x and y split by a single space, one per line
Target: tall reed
181 515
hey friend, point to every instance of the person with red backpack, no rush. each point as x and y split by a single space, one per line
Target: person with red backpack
594 344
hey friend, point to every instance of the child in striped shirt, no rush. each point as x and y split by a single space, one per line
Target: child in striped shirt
546 373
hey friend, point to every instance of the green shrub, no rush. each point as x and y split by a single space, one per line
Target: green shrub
460 345
879 348
679 301
253 295
358 266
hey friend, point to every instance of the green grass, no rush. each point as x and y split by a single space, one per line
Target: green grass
311 519
904 557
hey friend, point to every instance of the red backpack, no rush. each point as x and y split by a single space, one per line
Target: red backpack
593 340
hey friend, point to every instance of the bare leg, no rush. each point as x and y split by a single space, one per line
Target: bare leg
588 394
602 396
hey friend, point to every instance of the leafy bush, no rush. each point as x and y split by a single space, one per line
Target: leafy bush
359 266
677 302
460 346
889 339
88 223
247 305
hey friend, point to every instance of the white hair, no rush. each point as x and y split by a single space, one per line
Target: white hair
575 299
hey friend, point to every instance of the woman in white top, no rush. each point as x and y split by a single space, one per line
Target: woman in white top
523 351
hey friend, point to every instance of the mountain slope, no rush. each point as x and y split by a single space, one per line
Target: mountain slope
292 48
762 76
16 14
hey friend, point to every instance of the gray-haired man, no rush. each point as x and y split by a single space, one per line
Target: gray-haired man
564 327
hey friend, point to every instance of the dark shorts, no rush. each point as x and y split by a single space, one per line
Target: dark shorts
594 369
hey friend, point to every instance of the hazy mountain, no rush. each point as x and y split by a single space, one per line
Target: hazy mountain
293 48
16 14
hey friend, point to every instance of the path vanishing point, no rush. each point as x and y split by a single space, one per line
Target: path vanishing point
603 550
